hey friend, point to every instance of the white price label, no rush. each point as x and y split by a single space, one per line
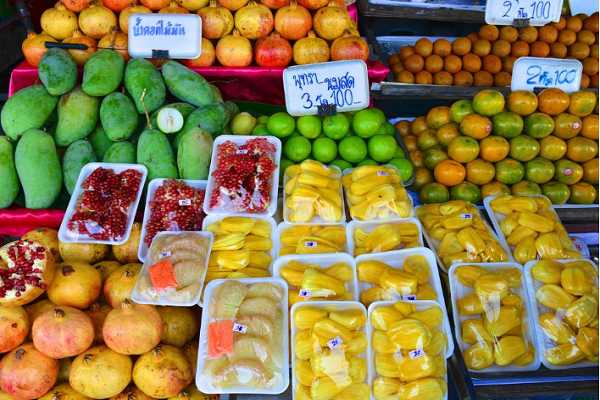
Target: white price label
416 353
533 72
409 297
165 35
343 84
535 12
185 202
335 343
466 216
239 328
305 293
587 7
310 244
165 253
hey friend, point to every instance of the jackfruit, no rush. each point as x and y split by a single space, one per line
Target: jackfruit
432 317
258 243
356 391
536 222
313 179
470 305
457 222
587 341
553 296
415 368
470 240
261 228
491 287
499 321
398 282
326 388
302 392
330 363
231 241
405 307
259 259
426 292
525 250
317 168
332 196
233 259
509 223
328 329
582 311
351 319
564 354
473 332
547 271
358 344
548 245
334 234
237 225
526 358
369 183
383 238
306 317
418 266
421 389
590 271
385 388
507 349
513 277
468 274
505 204
479 356
299 212
305 344
371 271
374 294
512 300
452 207
386 365
575 281
409 334
438 342
383 317
357 369
520 233
320 284
328 210
293 272
382 344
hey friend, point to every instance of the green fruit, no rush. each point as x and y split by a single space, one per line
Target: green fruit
243 124
382 148
426 139
169 120
567 171
263 119
154 151
539 125
76 156
260 130
103 73
120 153
28 108
193 154
297 148
434 192
184 108
353 149
38 168
404 167
335 126
324 150
211 118
524 148
366 161
509 171
187 85
341 164
8 174
145 85
366 123
284 163
388 129
77 116
507 124
281 124
99 141
488 102
460 109
57 71
557 192
525 188
309 126
539 170
433 156
466 191
399 153
118 116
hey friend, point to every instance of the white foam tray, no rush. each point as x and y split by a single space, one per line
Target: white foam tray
286 225
369 226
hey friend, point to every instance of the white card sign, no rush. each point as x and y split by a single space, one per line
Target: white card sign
165 35
587 7
533 72
344 84
536 12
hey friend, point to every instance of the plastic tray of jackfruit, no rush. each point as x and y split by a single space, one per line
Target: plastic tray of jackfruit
311 239
334 360
564 306
493 318
381 236
244 342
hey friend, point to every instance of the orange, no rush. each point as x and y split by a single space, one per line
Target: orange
501 48
471 62
442 78
397 68
528 34
419 125
452 63
446 133
466 191
590 171
461 46
586 37
494 188
548 34
473 37
581 149
405 77
508 62
434 192
426 139
567 37
424 47
594 81
594 52
579 50
552 148
483 78
574 23
434 63
416 157
558 50
423 176
482 47
480 172
488 102
463 149
590 127
406 51
582 103
414 63
489 32
561 24
591 23
509 171
502 78
509 33
442 47
494 148
403 128
590 65
525 188
539 49
585 81
449 173
424 78
520 49
438 116
463 78
582 193
492 63
394 59
553 101
476 126
522 102
567 125
410 142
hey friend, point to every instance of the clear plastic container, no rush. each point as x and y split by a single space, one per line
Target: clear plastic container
183 288
544 341
333 352
311 239
67 235
229 208
252 321
152 187
494 309
368 227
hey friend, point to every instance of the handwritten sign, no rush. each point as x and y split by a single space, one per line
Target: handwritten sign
344 84
532 72
532 12
165 35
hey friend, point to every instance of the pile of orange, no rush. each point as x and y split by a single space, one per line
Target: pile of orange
523 144
486 58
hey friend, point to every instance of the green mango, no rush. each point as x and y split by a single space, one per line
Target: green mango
154 151
100 142
211 118
118 116
103 72
76 156
121 153
231 109
184 108
38 168
77 116
187 85
28 108
216 93
8 174
145 85
57 71
193 154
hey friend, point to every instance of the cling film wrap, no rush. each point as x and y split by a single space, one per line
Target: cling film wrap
564 295
243 341
375 192
311 238
379 237
492 317
313 194
458 233
329 350
409 341
530 227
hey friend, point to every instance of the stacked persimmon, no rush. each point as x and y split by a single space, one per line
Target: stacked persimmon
486 58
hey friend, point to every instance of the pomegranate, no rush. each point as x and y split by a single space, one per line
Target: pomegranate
217 21
64 369
174 8
64 391
132 329
254 20
116 40
62 332
45 236
97 21
76 5
155 5
106 268
28 271
207 56
128 251
97 313
124 15
350 46
234 50
131 393
193 5
14 327
330 22
233 5
293 22
311 50
59 22
118 5
120 283
190 393
34 47
313 4
273 51
275 4
80 57
162 372
87 253
75 284
100 373
191 353
26 373
36 309
179 325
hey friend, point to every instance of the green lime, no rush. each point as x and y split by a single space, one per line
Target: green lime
399 153
539 170
524 148
309 126
353 149
539 125
404 167
557 192
281 124
433 156
324 150
525 188
507 124
367 122
243 124
260 130
460 109
283 165
297 148
434 193
509 171
389 128
341 164
366 161
382 148
263 119
335 126
466 191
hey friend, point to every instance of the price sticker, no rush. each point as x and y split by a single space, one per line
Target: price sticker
335 343
409 297
466 216
305 293
533 72
522 12
185 202
314 88
416 353
165 253
239 328
310 244
164 36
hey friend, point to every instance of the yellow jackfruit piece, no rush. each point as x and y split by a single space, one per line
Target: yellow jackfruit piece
409 334
430 221
258 243
300 211
341 271
575 281
382 344
470 240
518 234
383 317
318 168
587 341
363 211
351 319
438 343
306 317
321 285
468 274
383 238
356 391
259 259
452 207
293 170
385 388
501 320
590 271
536 222
398 282
369 183
386 365
382 194
406 308
329 329
505 204
230 241
512 300
473 332
306 344
357 345
509 224
370 271
374 294
547 271
426 292
564 354
457 222
289 237
329 363
582 311
233 259
302 392
432 317
479 356
525 250
328 210
491 287
313 179
418 266
334 234
553 296
237 225
548 246
326 388
261 228
421 389
494 252
357 369
507 349
512 276
415 368
556 329
470 305
439 233
527 357
303 372
332 196
366 170
293 273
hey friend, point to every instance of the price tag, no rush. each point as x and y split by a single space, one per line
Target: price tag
335 343
239 328
416 353
522 12
305 293
408 297
185 202
165 35
310 244
532 72
466 216
343 84
586 7
581 246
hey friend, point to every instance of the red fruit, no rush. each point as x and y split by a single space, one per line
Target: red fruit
45 236
254 20
273 51
34 47
131 393
313 4
120 283
233 5
76 5
36 309
26 373
62 332
155 5
207 56
97 313
14 326
293 22
132 329
275 4
332 21
217 21
76 284
118 5
349 47
311 50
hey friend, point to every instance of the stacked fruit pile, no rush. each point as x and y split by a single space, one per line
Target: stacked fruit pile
535 144
486 58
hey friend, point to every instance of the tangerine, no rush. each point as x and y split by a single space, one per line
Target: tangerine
476 126
446 133
442 47
567 171
394 59
594 81
525 188
507 63
590 126
587 37
501 48
539 49
419 125
509 171
582 193
449 173
433 156
405 77
524 148
520 49
579 50
463 78
509 33
557 192
459 109
494 188
590 65
403 127
452 63
581 149
553 148
594 52
471 62
405 52
488 102
539 170
539 125
463 149
582 103
423 176
574 23
482 47
466 191
442 78
585 81
528 34
438 116
416 156
591 23
553 101
482 78
561 24
522 102
567 125
397 68
434 63
461 46
548 34
424 47
567 37
502 78
424 78
507 124
489 32
410 141
494 148
492 64
414 63
473 37
590 171
434 192
558 50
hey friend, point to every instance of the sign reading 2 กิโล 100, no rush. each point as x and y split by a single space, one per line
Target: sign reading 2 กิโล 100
533 72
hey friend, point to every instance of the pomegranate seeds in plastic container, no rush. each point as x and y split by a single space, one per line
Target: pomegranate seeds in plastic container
244 175
103 205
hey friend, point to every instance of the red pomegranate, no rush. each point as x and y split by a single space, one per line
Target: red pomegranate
234 50
330 22
120 283
76 284
293 22
76 5
275 4
311 50
118 5
132 329
45 236
28 271
26 373
313 4
254 20
131 393
350 47
207 56
34 47
14 327
36 309
97 313
155 5
233 5
273 51
217 21
62 332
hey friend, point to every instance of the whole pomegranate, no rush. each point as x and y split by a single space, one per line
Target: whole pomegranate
133 328
128 251
106 268
275 4
313 4
14 327
116 40
233 5
124 15
217 21
59 22
96 21
100 373
207 56
193 5
273 51
350 46
97 313
311 50
254 20
162 372
155 5
131 393
76 284
64 391
34 47
234 50
36 309
26 373
120 283
76 5
330 22
45 236
293 22
80 57
173 8
118 5
62 332
85 252
180 325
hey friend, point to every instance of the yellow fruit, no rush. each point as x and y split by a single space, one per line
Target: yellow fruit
512 276
233 259
450 245
418 266
238 224
416 368
383 317
479 356
507 349
305 344
398 282
428 388
321 285
575 281
518 234
405 308
468 274
553 296
525 250
374 294
386 365
470 305
509 224
491 287
385 388
409 334
499 321
527 357
328 329
589 269
341 271
318 168
306 317
329 363
258 243
358 344
473 332
536 222
351 319
457 222
356 391
304 373
564 354
587 341
548 245
470 240
381 343
231 241
582 311
302 393
438 343
432 317
426 292
370 271
547 271
326 388
357 369
513 300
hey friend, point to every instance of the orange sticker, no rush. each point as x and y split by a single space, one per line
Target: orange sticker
220 338
162 275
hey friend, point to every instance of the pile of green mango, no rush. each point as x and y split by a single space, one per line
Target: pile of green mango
52 129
